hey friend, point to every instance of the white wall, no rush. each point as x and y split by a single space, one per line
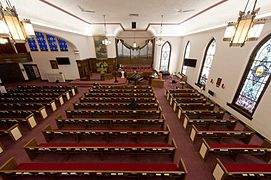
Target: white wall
229 64
83 45
176 50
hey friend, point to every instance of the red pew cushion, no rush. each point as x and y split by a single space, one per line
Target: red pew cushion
248 167
87 166
101 145
233 146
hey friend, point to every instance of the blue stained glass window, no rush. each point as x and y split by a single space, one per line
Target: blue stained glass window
165 56
207 63
32 44
41 41
52 42
255 78
62 45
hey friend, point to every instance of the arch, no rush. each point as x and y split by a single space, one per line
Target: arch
165 57
186 55
255 79
207 63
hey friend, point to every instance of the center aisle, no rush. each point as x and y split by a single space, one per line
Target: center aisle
196 167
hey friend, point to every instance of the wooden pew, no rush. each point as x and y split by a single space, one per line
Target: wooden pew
170 91
110 123
208 120
245 134
118 95
1 149
263 150
49 102
176 101
241 171
35 108
182 95
50 133
117 99
13 131
120 91
56 96
11 170
32 148
199 113
14 117
183 107
36 92
114 114
121 87
118 106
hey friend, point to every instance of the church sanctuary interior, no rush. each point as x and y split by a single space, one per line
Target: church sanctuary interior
135 89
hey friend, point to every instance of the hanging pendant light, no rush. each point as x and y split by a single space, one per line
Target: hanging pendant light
160 41
106 41
12 27
247 28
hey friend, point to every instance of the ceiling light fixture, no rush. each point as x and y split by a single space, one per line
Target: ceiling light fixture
247 28
106 41
160 41
11 27
134 43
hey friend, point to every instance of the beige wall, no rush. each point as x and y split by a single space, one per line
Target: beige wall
229 64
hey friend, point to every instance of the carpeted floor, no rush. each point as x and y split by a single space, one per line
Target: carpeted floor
198 169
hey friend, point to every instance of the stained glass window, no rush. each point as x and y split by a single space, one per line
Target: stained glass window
207 63
41 41
186 55
255 78
52 42
32 44
62 45
165 56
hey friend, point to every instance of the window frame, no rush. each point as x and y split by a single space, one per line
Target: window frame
185 50
243 79
203 62
168 55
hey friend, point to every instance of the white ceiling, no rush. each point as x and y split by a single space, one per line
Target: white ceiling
66 15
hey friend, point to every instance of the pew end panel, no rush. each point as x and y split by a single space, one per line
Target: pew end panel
1 149
219 172
185 121
193 133
11 164
30 144
31 121
182 167
53 105
173 143
169 132
43 112
15 132
204 149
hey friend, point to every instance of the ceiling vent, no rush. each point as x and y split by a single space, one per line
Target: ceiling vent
133 15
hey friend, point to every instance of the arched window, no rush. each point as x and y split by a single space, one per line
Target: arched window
186 55
207 63
165 56
255 79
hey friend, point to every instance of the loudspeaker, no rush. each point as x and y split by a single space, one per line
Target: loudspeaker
133 25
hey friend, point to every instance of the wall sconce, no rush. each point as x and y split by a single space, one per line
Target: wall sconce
212 81
223 86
